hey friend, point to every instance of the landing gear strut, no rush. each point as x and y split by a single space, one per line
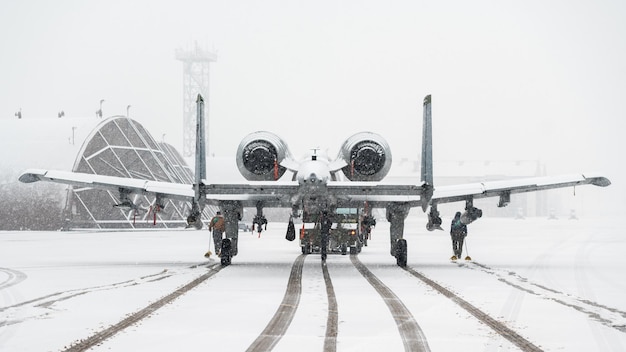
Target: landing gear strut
396 213
232 214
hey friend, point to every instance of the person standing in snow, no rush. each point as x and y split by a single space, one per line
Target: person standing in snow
325 226
217 225
458 231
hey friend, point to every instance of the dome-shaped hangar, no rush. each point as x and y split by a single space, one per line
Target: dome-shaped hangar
120 146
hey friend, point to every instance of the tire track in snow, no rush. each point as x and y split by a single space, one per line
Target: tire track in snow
608 316
278 325
497 326
332 323
41 304
50 299
99 337
412 336
14 277
604 340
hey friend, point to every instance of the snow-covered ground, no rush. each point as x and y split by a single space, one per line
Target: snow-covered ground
557 283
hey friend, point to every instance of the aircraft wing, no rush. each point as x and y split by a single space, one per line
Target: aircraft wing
281 194
111 183
456 193
271 193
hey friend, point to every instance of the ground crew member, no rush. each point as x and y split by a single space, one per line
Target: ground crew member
217 225
367 223
458 231
325 226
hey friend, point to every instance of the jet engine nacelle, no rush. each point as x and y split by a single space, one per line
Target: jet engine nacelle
368 157
259 156
470 215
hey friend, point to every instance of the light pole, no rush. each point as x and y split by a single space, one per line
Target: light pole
127 110
99 112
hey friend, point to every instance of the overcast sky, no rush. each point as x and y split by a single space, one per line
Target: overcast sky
529 80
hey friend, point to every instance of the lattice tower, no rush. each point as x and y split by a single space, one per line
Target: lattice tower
195 81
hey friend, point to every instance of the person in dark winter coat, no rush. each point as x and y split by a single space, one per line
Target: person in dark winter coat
217 225
458 231
325 226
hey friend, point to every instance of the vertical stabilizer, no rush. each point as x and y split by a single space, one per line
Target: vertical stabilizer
427 153
200 142
199 199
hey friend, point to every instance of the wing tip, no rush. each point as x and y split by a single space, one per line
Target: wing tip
600 181
28 177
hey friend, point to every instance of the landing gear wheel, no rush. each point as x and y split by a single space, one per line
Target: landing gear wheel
344 249
401 252
226 252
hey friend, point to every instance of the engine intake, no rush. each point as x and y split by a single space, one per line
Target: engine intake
259 156
368 157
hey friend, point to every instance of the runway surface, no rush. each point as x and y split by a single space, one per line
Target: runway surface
533 285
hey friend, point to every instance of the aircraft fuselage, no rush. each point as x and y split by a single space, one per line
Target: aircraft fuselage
313 177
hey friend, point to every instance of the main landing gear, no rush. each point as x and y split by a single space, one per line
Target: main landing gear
401 252
232 215
396 213
226 253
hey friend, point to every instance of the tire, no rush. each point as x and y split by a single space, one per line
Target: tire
401 252
226 252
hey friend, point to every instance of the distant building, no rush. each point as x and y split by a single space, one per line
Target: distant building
118 146
122 147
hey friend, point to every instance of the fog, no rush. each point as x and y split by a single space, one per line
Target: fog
510 80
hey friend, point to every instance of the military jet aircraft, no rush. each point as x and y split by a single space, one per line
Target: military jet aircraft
316 184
